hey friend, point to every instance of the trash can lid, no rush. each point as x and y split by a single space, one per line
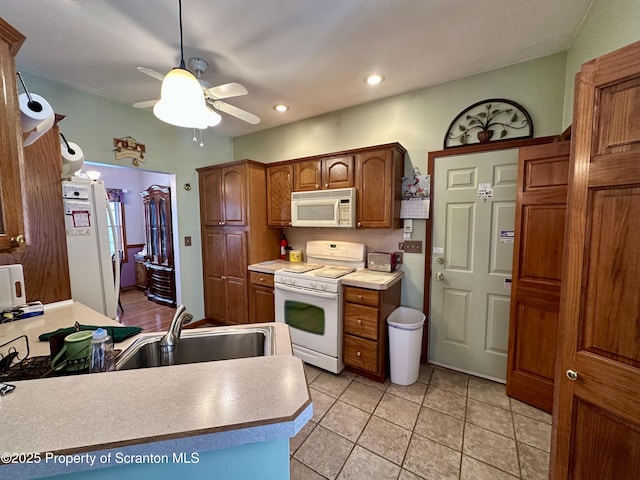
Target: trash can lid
406 318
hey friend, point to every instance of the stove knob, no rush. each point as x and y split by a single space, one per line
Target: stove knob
314 285
323 286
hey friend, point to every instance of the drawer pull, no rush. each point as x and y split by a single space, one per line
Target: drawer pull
358 354
359 322
359 297
261 279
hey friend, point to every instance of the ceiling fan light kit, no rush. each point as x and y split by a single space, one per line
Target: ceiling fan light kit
182 103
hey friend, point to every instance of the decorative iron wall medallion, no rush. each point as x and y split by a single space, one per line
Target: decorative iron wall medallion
489 120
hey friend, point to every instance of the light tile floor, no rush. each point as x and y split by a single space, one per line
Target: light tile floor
447 425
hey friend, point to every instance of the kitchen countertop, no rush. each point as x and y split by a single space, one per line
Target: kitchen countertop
248 400
363 278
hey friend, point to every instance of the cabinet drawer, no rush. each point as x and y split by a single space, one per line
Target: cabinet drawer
361 321
258 278
361 353
362 296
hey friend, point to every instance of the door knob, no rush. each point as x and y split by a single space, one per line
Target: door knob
439 275
571 375
440 260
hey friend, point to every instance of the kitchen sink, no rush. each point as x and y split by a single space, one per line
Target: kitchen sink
199 345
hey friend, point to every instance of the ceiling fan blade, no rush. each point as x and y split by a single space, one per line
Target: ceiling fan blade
236 112
151 73
145 104
227 90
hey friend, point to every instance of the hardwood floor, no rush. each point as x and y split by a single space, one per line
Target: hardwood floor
140 312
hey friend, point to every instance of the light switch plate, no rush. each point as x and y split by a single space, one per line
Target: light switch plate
411 246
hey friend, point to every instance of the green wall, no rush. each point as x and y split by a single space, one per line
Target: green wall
93 122
609 25
418 120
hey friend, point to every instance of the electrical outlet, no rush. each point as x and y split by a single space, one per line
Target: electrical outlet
398 257
187 241
411 246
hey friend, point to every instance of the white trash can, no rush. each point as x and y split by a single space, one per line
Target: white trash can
405 344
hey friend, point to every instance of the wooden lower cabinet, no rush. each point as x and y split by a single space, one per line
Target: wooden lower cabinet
365 345
261 298
225 275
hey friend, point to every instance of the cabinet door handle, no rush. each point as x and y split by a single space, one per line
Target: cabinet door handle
359 224
326 185
359 322
317 186
358 354
222 277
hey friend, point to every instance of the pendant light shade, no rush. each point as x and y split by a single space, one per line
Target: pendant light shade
182 102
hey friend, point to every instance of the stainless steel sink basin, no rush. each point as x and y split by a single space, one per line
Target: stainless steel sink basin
199 345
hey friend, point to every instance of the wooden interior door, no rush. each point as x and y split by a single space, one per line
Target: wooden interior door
596 416
541 207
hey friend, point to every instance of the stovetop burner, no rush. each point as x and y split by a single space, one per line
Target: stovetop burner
302 268
333 271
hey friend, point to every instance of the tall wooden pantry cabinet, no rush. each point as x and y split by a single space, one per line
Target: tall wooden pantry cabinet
233 222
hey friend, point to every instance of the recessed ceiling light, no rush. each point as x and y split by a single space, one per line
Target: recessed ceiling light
281 107
374 79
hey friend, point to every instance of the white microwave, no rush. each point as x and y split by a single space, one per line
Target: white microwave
324 208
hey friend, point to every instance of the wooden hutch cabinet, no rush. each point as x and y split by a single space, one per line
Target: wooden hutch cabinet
161 279
233 218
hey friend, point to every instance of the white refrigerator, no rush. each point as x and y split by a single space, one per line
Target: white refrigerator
93 280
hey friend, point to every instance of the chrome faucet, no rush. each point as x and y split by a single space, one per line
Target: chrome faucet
181 318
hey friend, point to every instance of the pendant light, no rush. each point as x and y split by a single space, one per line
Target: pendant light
182 101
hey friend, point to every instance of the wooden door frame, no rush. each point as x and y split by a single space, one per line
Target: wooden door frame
428 239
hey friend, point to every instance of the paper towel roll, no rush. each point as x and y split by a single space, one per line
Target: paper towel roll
32 118
40 130
71 162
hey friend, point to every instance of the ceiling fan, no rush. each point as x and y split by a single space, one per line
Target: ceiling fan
212 95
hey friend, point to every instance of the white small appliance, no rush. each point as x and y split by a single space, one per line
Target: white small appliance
324 208
308 298
95 279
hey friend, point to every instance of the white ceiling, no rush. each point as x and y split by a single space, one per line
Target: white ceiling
309 54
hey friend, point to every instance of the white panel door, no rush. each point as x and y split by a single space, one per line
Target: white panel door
471 261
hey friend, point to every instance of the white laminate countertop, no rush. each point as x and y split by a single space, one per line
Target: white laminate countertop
93 412
363 278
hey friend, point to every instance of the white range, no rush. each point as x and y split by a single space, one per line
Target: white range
308 298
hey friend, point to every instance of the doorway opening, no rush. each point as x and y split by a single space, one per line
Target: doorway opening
135 307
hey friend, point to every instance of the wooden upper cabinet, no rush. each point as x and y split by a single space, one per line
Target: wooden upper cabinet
12 224
211 196
321 173
307 175
337 172
279 187
378 181
233 195
222 198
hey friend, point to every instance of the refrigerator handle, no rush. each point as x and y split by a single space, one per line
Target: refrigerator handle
116 260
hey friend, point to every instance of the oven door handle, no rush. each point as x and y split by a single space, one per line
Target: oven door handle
313 293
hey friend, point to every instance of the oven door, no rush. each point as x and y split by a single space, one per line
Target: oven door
314 318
